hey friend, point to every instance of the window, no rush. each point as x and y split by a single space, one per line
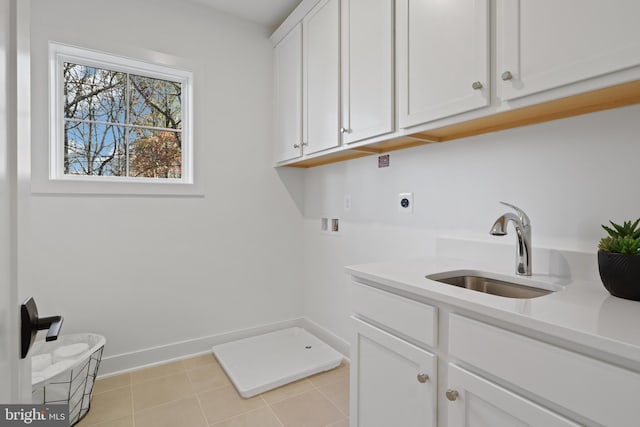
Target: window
118 119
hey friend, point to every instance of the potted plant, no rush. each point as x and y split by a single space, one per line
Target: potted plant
619 260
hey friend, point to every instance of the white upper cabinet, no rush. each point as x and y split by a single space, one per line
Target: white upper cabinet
391 73
544 44
321 77
443 58
288 96
367 69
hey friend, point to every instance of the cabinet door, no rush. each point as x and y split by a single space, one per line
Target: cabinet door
481 403
548 43
288 93
393 383
443 58
321 82
367 69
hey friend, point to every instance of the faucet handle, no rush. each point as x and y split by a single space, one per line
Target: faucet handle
523 216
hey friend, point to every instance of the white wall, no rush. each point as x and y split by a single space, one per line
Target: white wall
570 176
151 271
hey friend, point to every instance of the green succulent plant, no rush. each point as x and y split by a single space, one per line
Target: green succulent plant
622 239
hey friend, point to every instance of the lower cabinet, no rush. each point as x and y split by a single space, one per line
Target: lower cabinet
393 382
475 402
490 376
599 392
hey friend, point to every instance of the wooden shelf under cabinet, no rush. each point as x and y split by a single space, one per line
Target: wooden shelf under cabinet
602 99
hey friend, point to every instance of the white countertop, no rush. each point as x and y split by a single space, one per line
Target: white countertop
583 312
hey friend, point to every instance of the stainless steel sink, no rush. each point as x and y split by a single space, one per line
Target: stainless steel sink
491 284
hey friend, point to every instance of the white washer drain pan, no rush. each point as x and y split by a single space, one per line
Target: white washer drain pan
264 362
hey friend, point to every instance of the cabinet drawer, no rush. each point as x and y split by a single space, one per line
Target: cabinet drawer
597 390
413 319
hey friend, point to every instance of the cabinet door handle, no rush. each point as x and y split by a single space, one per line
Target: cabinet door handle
452 395
345 130
31 323
296 145
422 377
506 76
476 85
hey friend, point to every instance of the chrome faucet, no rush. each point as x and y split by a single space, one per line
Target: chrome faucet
522 225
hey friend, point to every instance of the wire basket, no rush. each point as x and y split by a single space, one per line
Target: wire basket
68 381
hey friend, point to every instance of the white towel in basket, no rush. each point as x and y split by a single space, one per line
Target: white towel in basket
40 362
53 370
67 352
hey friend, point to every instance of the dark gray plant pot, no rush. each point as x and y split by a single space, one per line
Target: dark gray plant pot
620 274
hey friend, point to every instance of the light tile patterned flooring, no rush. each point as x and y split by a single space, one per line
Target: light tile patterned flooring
197 393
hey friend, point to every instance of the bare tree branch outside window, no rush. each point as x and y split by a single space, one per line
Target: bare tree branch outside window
121 124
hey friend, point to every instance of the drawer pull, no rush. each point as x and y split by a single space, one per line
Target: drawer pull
452 395
423 378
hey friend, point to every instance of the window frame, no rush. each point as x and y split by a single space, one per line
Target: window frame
61 53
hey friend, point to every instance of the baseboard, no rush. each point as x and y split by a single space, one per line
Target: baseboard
126 362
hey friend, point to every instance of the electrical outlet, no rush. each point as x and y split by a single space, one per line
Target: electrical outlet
405 203
330 225
347 203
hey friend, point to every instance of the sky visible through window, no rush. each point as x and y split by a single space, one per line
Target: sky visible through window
121 124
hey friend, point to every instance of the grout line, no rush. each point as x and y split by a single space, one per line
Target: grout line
213 387
250 410
241 414
201 410
133 408
110 390
208 365
336 422
213 362
198 398
191 383
169 374
327 397
204 416
84 422
325 385
273 412
331 401
290 396
235 415
183 397
183 371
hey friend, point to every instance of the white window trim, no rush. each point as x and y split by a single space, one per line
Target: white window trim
60 53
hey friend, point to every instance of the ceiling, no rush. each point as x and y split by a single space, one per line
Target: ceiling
269 13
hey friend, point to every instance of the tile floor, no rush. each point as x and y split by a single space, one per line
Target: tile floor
197 393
